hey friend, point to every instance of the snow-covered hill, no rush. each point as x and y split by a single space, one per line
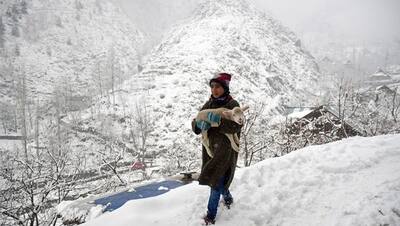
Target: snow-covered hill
66 44
229 36
349 182
232 36
267 66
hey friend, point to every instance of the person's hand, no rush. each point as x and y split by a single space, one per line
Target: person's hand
213 118
203 125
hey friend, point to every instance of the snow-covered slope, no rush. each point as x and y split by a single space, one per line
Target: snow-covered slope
228 36
267 66
231 36
349 182
66 43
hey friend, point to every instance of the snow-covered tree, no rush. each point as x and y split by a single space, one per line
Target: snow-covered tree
44 174
179 159
141 125
31 188
252 135
379 114
373 111
110 158
111 66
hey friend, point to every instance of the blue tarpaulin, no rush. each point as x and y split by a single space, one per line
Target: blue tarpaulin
141 192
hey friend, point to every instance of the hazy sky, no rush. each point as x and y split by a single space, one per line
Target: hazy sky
363 20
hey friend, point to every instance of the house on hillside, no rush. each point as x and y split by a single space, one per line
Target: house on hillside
384 89
379 75
322 124
306 126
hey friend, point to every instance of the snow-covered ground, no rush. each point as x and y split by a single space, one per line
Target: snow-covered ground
350 182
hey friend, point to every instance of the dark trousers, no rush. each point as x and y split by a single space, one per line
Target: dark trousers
215 195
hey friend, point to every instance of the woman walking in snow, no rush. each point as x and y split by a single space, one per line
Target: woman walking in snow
218 171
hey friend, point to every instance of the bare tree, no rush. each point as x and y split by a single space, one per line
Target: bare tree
111 66
395 105
251 142
283 141
96 75
383 112
22 104
110 157
35 182
347 100
141 125
373 111
342 97
7 111
34 187
179 158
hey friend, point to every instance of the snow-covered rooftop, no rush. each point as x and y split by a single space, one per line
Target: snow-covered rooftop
299 114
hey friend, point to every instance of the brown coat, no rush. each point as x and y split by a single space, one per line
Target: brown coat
225 158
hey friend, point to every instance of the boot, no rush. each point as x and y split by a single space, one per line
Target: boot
208 220
228 202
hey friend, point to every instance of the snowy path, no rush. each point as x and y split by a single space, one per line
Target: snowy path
350 182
